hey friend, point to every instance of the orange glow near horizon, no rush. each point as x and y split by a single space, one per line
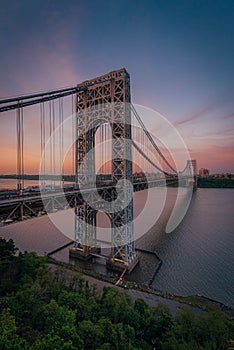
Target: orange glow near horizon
216 155
217 161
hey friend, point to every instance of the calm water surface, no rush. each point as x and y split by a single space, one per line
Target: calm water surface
11 184
198 255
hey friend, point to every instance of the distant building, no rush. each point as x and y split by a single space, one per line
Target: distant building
203 172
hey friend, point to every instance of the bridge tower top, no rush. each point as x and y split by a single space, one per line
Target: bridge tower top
112 87
122 72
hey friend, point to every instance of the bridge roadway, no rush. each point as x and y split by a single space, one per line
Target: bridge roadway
33 205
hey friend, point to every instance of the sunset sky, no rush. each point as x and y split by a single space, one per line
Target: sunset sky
179 53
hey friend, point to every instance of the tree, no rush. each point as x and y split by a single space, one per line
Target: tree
7 269
91 334
164 323
115 305
141 306
53 342
185 324
55 317
108 330
213 330
9 340
68 333
7 250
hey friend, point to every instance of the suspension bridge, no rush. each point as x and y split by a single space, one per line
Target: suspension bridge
111 155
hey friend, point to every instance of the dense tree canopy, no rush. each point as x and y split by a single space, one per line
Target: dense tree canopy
45 310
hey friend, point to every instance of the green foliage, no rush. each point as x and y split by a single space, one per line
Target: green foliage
212 182
53 342
115 305
13 269
9 340
55 317
208 331
7 250
45 309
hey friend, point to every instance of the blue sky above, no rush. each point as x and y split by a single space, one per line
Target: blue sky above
179 54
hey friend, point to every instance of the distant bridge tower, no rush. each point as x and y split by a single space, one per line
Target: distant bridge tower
106 100
192 170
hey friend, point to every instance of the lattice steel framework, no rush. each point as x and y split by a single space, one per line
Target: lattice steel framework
106 100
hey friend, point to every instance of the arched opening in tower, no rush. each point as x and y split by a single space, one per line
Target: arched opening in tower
103 153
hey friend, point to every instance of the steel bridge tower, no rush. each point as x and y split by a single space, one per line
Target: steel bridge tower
106 100
191 170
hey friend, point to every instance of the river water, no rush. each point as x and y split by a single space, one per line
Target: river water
197 256
11 184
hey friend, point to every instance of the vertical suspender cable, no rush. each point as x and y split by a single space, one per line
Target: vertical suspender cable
53 139
108 147
50 142
136 138
44 137
133 137
97 144
43 156
99 154
105 145
144 165
20 148
73 138
62 137
41 136
60 143
61 166
41 139
101 150
147 153
142 160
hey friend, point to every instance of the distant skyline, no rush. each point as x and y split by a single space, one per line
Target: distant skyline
179 54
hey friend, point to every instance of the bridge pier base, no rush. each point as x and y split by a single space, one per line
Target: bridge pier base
83 252
119 265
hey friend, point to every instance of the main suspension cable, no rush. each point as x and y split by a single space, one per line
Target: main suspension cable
150 138
149 160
